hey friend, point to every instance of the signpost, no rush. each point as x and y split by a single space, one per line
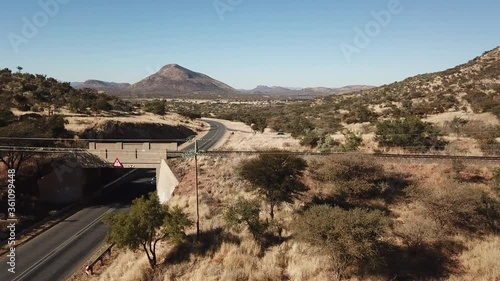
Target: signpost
117 164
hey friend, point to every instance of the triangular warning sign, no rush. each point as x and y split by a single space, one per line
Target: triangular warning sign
117 163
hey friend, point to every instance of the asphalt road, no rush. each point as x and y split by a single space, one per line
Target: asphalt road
63 249
216 133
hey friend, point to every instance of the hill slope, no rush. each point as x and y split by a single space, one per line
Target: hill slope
176 81
472 87
27 92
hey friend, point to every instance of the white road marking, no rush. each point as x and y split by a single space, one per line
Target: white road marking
60 247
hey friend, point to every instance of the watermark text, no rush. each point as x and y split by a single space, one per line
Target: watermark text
11 220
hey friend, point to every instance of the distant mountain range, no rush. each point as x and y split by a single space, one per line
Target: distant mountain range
306 92
101 85
175 81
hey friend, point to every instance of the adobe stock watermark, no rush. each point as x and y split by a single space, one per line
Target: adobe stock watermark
224 6
364 37
31 26
11 220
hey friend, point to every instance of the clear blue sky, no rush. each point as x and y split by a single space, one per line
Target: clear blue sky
292 43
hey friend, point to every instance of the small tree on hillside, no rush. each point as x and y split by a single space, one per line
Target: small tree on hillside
277 176
457 124
246 212
157 107
352 141
409 133
145 224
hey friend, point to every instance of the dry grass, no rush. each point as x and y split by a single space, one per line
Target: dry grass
230 260
127 266
487 118
240 137
289 261
241 258
80 123
481 260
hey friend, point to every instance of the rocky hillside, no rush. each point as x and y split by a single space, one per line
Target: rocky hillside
176 81
30 92
471 87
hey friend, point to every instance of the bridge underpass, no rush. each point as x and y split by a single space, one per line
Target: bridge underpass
146 155
79 176
70 176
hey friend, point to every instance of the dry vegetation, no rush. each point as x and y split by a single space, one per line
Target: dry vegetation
443 219
80 123
433 234
240 137
468 92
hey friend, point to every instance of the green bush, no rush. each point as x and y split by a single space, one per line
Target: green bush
299 126
311 139
459 206
101 104
351 238
411 134
246 212
360 114
352 141
189 113
353 177
157 107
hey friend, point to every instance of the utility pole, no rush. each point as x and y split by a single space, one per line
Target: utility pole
196 188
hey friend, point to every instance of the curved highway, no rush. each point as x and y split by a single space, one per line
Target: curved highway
63 249
215 134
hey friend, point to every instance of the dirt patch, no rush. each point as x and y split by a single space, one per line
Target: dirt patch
240 137
487 118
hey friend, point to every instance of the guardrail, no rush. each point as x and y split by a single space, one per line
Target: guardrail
89 268
377 155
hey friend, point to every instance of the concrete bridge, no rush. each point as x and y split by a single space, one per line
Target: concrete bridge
133 155
70 179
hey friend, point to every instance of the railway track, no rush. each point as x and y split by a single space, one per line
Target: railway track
377 155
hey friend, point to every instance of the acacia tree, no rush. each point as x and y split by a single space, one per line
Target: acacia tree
15 152
277 175
14 158
145 224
